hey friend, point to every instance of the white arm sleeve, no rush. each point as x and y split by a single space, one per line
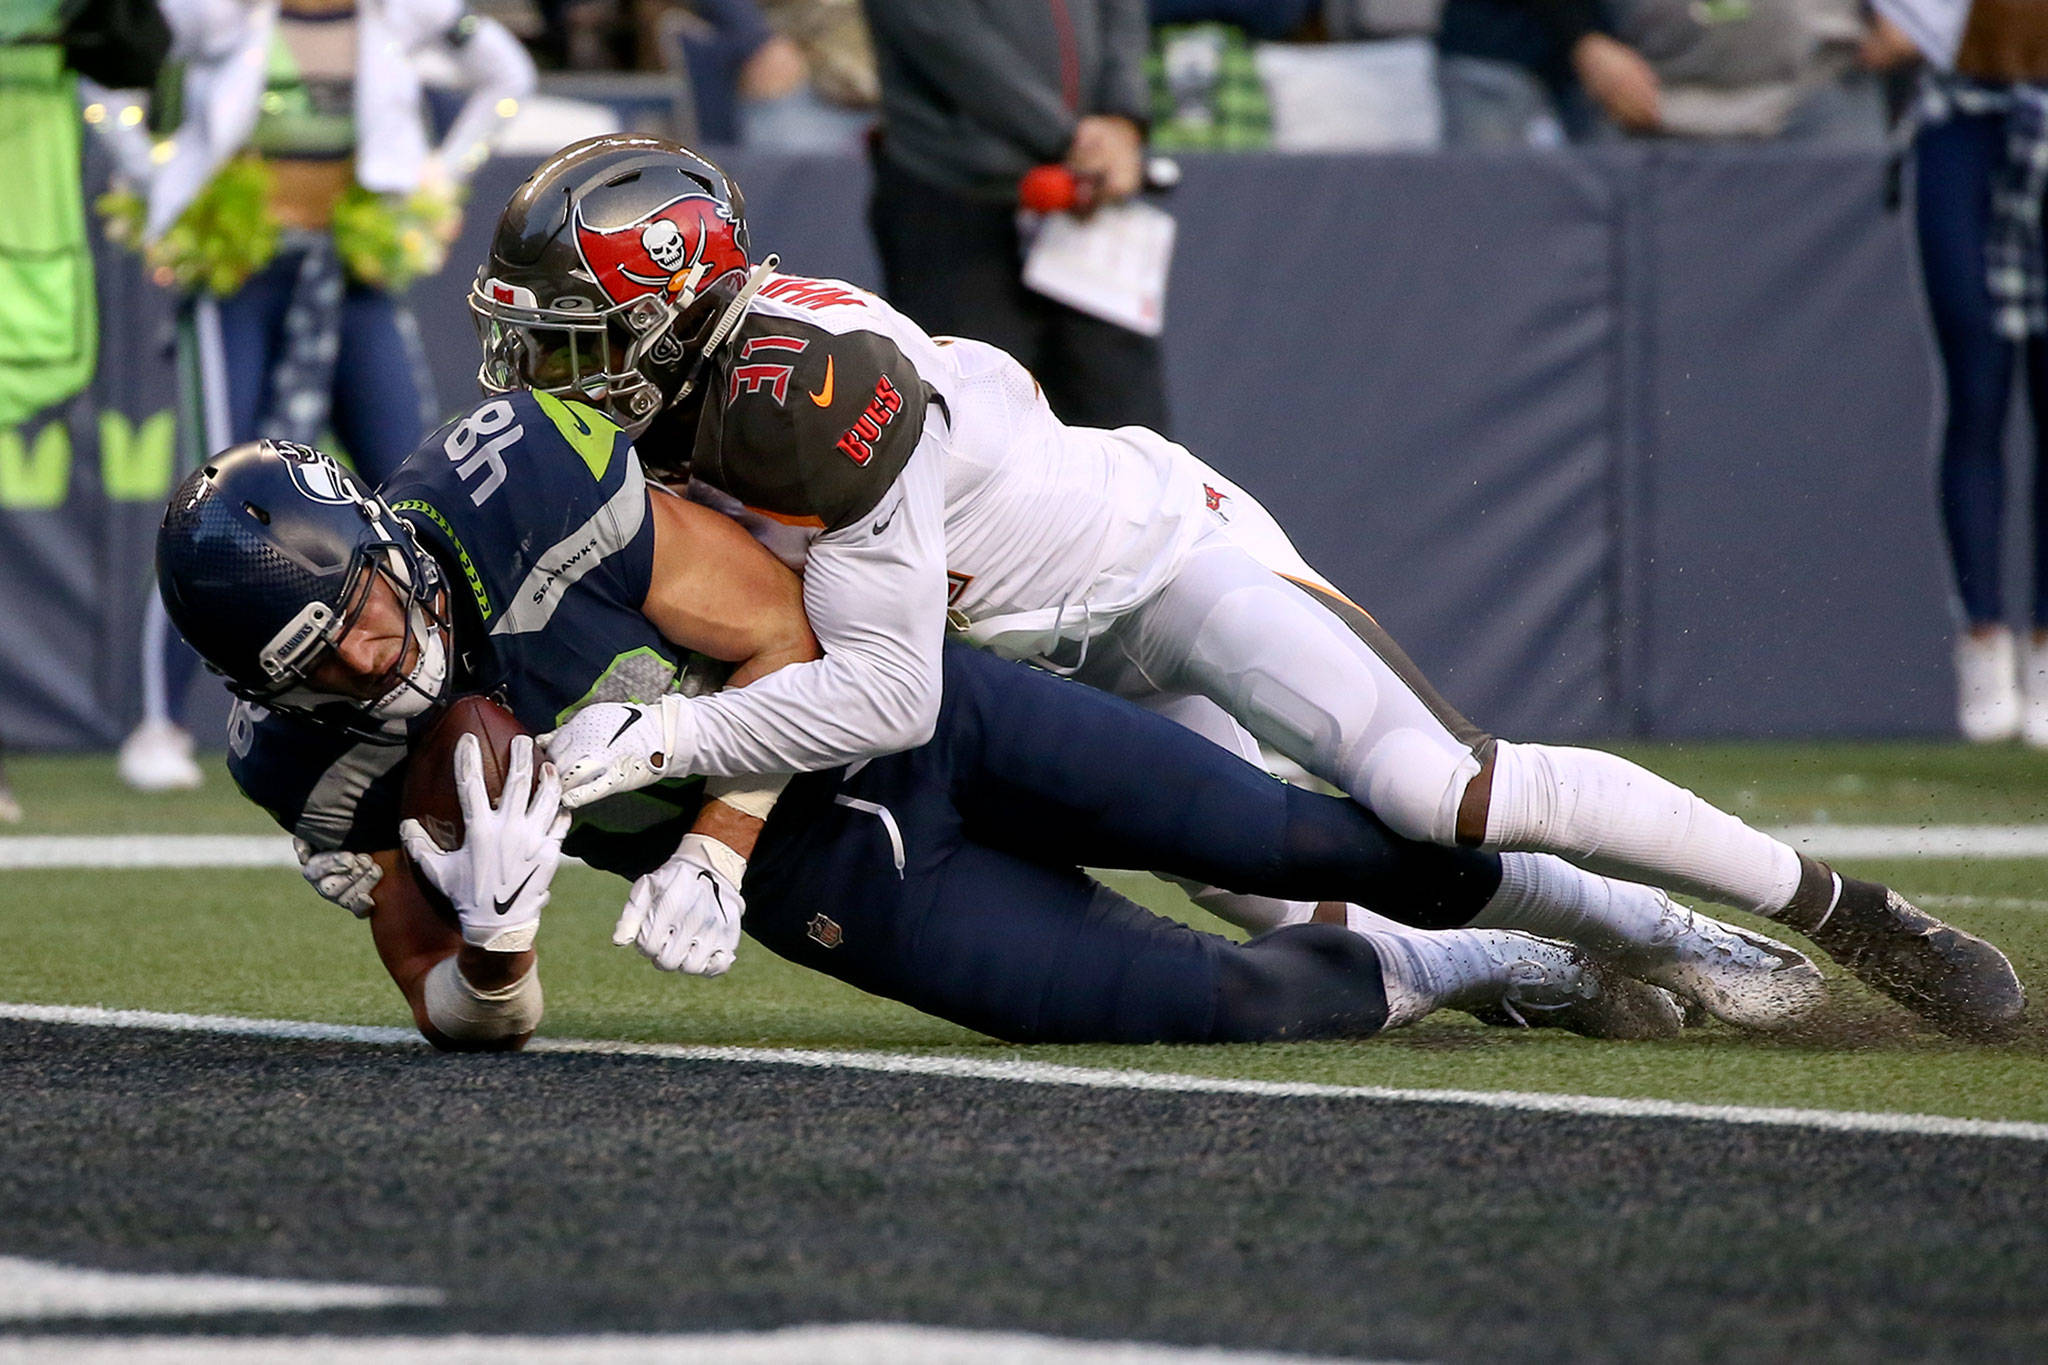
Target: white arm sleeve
876 595
498 74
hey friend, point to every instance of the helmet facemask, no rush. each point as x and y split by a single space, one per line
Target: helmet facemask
595 356
418 688
628 360
420 674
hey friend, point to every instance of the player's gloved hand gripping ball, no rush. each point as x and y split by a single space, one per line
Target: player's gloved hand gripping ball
613 747
498 878
685 915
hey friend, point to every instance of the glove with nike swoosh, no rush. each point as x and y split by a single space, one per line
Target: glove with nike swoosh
498 880
685 915
611 747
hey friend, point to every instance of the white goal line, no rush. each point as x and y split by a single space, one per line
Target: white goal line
1099 1078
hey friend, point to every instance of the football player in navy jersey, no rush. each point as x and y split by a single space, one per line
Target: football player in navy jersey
926 488
521 553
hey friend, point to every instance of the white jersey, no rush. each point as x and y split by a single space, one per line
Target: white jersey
1050 530
918 483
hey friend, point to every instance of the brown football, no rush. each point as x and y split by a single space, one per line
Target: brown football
429 795
429 792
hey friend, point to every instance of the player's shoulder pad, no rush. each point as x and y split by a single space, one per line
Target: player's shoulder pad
520 449
809 425
515 475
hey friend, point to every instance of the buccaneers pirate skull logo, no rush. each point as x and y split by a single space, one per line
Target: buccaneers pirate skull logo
664 242
658 254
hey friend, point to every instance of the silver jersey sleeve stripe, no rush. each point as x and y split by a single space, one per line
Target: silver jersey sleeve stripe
330 810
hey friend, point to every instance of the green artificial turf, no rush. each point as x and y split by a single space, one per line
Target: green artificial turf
258 942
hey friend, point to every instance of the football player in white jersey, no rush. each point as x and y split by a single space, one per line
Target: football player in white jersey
924 486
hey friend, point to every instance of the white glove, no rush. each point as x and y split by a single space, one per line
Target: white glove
498 880
613 747
685 915
347 879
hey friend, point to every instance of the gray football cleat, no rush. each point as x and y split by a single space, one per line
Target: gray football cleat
1737 975
1955 980
1556 985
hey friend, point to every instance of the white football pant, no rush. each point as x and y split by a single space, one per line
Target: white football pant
1248 625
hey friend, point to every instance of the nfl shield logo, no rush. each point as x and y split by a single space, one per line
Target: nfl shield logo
826 931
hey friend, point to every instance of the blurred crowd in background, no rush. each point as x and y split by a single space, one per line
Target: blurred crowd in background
1306 75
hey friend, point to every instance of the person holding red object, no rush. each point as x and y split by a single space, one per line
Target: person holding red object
978 102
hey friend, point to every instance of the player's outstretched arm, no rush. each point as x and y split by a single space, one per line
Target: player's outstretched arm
480 995
874 593
415 942
713 590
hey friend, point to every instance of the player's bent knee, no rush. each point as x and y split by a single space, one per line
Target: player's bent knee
1233 650
1414 782
1303 981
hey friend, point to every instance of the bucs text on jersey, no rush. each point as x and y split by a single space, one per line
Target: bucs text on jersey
537 511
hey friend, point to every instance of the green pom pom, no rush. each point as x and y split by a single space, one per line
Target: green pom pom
388 241
224 236
228 233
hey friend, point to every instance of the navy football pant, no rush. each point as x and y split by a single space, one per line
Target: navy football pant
949 877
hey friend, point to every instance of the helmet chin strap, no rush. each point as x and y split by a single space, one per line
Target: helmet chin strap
727 320
420 689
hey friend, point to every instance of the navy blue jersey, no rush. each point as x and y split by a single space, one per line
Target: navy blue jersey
538 513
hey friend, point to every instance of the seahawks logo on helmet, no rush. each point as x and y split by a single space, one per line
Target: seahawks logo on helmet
317 476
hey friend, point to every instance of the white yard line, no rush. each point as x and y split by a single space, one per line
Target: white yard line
1917 841
146 851
1941 902
1042 1073
853 1344
38 1289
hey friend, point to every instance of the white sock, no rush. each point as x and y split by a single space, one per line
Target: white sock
1360 920
1550 898
1432 969
1612 816
1253 914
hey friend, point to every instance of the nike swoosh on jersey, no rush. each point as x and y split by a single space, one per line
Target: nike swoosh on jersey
505 906
823 397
